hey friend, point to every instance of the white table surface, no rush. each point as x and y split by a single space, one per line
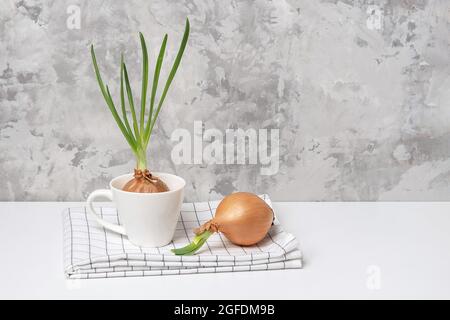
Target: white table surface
347 248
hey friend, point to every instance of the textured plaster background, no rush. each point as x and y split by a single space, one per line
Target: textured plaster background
359 89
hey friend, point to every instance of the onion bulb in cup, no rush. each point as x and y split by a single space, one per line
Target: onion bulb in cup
242 217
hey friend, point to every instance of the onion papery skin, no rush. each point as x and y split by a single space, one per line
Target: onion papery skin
145 182
243 217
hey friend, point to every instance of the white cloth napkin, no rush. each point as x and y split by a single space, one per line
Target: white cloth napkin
91 251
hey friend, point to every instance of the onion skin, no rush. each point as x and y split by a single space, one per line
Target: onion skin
145 182
243 217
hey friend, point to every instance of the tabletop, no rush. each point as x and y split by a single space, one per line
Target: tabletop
352 250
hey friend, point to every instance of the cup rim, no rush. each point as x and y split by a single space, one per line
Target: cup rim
183 184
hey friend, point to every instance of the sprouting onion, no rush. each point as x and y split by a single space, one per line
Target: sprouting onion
242 217
138 132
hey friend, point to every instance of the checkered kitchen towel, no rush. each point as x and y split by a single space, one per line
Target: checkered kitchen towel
91 251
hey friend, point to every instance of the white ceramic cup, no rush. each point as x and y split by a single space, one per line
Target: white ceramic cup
148 219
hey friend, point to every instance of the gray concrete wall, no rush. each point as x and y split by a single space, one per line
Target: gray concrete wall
359 90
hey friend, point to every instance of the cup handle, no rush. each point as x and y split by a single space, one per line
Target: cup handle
108 225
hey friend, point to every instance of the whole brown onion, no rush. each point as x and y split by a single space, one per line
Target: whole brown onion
242 217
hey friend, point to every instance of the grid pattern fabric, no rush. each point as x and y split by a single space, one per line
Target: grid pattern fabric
91 251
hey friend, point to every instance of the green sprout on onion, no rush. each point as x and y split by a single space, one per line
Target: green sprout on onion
138 132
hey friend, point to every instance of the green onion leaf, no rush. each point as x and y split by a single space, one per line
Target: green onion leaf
144 82
138 134
107 96
195 245
117 118
131 103
122 99
171 74
155 86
